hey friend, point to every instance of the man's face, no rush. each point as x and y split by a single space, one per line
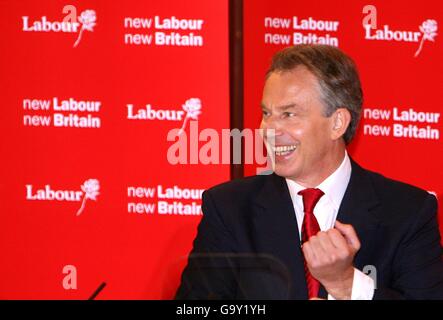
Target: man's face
303 144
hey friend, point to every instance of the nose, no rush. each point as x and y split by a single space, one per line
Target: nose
271 127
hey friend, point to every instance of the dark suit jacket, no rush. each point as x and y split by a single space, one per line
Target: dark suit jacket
248 245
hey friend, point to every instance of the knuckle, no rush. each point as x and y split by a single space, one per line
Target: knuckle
345 253
349 252
314 264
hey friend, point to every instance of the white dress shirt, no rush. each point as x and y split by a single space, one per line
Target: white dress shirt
326 211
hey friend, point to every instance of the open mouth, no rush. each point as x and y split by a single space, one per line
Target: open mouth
284 150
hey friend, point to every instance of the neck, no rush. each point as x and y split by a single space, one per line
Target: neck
329 164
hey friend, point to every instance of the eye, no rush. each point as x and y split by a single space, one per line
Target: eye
288 114
265 113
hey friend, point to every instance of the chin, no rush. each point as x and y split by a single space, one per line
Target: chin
284 171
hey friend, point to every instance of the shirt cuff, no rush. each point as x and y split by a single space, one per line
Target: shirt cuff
362 287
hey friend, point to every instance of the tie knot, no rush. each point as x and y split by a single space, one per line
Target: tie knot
310 198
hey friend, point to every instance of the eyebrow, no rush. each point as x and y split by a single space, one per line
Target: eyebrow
282 108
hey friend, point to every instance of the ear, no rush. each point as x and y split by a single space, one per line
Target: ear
341 119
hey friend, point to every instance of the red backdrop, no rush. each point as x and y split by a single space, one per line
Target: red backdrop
399 88
114 240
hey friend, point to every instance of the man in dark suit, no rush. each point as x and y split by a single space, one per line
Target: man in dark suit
309 229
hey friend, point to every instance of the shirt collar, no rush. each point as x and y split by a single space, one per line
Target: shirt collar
333 186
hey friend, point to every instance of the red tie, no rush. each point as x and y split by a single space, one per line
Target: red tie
309 228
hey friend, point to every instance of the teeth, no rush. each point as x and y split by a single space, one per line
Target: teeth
284 150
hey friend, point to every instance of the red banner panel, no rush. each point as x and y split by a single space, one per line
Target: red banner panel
95 94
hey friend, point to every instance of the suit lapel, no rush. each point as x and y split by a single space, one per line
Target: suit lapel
276 229
357 209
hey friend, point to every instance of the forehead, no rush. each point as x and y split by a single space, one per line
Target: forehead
290 87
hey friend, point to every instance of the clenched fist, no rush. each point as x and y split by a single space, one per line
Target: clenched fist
329 256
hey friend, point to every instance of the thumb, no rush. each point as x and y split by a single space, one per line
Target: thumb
349 234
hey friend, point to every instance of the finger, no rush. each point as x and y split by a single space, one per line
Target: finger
349 233
325 242
337 239
316 247
308 253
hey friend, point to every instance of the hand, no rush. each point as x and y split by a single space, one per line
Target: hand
329 256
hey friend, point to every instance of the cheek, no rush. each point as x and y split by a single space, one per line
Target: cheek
262 124
318 140
297 132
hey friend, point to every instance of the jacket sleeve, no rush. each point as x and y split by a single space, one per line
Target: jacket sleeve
418 264
210 272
